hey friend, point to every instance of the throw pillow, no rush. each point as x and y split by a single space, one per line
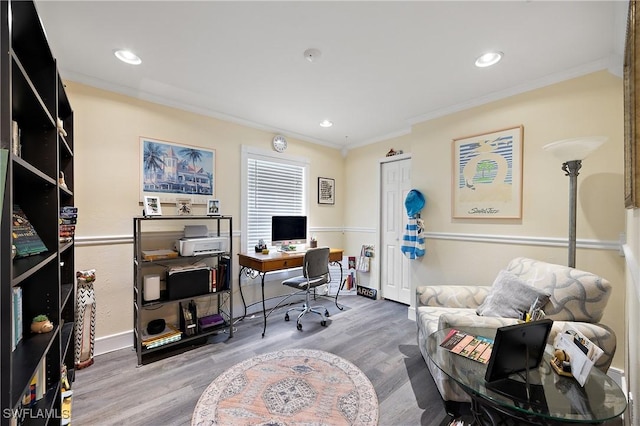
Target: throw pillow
510 296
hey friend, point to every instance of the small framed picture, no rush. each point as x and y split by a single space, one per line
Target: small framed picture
213 207
326 190
183 206
152 206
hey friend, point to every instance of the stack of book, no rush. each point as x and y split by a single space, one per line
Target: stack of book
68 220
170 334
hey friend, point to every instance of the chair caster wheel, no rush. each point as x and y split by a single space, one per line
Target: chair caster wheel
286 317
299 326
326 313
323 323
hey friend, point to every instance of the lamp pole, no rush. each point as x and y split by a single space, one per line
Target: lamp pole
571 169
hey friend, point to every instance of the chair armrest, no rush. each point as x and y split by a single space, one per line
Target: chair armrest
451 296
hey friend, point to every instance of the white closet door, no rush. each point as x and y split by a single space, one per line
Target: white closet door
395 277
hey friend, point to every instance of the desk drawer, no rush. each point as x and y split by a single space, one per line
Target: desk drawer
274 265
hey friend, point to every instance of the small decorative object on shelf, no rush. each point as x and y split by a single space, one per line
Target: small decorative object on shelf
152 206
66 395
41 324
61 181
183 206
313 243
60 126
213 207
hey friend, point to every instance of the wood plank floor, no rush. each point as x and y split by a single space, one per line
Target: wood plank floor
374 335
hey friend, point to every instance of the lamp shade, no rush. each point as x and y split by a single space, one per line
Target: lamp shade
575 148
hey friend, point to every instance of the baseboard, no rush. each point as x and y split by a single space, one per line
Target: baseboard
411 313
113 343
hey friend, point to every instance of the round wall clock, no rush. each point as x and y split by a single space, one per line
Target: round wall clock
279 143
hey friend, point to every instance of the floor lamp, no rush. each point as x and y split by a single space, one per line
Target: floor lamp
571 152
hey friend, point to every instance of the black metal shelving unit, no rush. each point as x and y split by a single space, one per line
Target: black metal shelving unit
162 232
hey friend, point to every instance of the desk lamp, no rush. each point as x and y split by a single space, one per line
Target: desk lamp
571 152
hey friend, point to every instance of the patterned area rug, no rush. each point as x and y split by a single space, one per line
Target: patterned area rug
289 387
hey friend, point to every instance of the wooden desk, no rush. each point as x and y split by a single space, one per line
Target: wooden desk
278 261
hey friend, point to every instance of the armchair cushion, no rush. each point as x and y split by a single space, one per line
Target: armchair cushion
510 297
575 295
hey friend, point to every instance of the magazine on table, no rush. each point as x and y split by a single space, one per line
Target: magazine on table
477 348
582 352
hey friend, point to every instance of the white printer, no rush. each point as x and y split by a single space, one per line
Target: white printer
201 246
196 242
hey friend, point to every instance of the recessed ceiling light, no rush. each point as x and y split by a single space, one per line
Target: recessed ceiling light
488 59
326 123
127 56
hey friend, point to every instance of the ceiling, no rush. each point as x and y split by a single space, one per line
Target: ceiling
383 65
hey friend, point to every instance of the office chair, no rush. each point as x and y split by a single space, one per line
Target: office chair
315 270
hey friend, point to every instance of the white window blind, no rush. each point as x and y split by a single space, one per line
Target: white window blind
273 188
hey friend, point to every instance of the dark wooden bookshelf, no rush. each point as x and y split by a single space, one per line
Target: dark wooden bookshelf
33 95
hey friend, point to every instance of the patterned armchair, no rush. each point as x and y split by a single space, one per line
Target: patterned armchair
576 296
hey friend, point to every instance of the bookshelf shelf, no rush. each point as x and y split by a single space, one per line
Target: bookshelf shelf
42 283
160 233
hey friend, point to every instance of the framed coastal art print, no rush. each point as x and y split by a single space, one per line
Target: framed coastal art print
487 175
171 171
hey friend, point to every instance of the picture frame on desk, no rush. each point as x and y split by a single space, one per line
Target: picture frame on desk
183 206
152 206
213 207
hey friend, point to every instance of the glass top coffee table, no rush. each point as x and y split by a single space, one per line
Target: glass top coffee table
552 399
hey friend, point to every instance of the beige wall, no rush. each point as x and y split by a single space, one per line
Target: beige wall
590 105
107 128
107 154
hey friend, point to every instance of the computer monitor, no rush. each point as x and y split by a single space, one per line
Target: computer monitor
517 347
288 230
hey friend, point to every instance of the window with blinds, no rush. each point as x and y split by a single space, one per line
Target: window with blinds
273 188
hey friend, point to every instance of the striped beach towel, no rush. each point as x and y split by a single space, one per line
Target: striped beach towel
412 240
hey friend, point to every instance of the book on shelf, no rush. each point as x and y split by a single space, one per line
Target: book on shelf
41 387
4 161
213 280
16 316
25 237
168 335
159 254
477 348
